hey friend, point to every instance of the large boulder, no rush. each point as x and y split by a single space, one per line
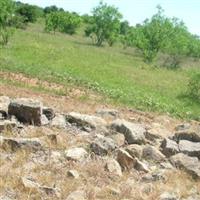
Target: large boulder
26 110
59 121
102 146
169 147
134 133
189 164
85 122
190 148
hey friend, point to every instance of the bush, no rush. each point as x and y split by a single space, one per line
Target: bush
194 87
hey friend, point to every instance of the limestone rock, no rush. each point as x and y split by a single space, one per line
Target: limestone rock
118 138
134 133
189 164
26 110
126 161
102 146
193 135
153 154
76 154
85 122
113 167
190 148
73 173
169 147
135 150
59 121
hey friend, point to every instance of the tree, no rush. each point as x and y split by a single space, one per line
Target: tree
53 8
105 25
150 37
27 11
6 15
62 21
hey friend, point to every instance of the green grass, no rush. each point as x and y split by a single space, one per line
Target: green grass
118 73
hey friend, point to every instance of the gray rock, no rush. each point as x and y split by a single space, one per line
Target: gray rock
59 121
140 166
152 154
134 133
189 164
48 112
183 127
73 173
135 150
190 148
44 120
4 102
76 154
126 161
102 146
192 135
169 147
13 144
168 196
113 167
85 122
107 113
118 138
26 110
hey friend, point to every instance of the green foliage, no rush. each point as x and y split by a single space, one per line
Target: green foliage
6 15
30 13
194 87
62 21
105 25
53 8
124 27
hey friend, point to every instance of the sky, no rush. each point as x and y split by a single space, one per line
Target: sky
136 11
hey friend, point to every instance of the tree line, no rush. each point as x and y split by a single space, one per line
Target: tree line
159 34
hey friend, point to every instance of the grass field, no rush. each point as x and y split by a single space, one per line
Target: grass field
118 73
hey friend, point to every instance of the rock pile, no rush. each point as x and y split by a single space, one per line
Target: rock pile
125 146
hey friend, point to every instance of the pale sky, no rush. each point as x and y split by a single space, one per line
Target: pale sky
136 11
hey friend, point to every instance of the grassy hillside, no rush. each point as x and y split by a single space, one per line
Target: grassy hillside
120 74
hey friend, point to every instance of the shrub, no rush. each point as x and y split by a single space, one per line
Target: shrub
194 87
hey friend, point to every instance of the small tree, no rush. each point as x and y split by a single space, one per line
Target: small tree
105 24
29 12
62 21
194 87
6 15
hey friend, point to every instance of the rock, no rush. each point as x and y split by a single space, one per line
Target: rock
4 102
26 111
189 164
7 125
135 150
153 154
44 120
13 144
73 173
118 138
155 176
59 121
48 112
190 148
85 122
50 191
168 196
102 146
134 133
113 167
107 113
76 154
169 147
77 195
29 183
192 135
140 166
183 127
126 161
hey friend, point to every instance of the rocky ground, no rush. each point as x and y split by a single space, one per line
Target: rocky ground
70 151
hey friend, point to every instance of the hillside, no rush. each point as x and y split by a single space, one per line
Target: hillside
119 74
